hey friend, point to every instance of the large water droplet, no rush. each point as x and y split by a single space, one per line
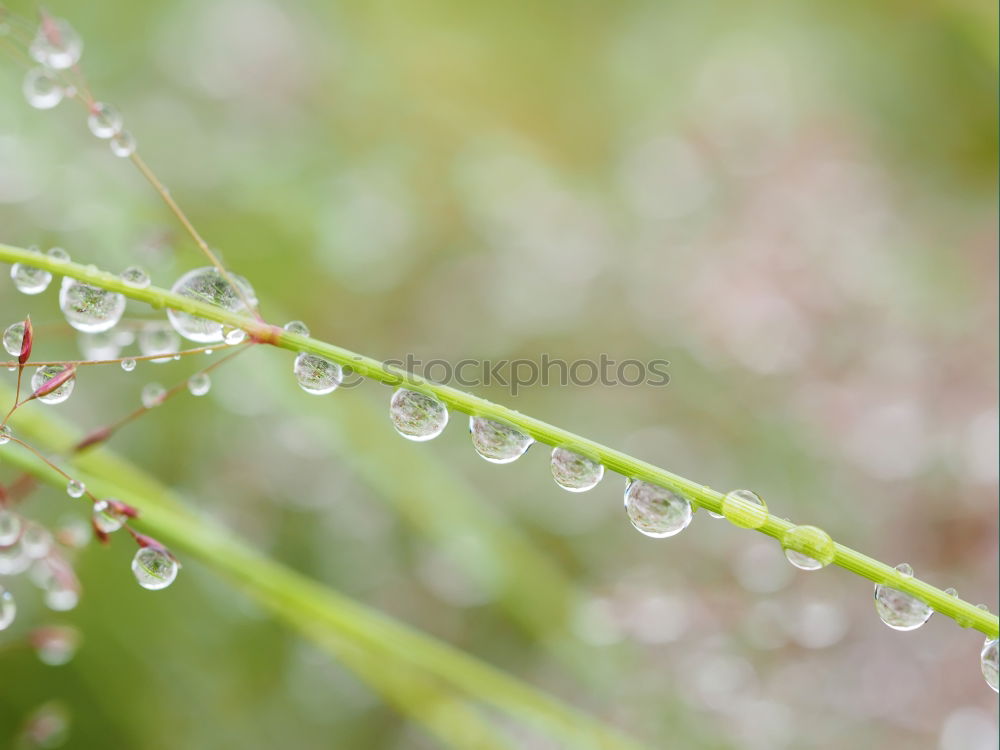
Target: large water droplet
497 442
317 375
46 373
106 518
745 509
56 45
90 308
10 527
8 609
199 384
13 335
156 339
988 661
104 120
61 595
574 472
152 395
209 286
42 89
898 610
135 276
656 511
30 280
417 416
75 488
808 547
122 144
154 568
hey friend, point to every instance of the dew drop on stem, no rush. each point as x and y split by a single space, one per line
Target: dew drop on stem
297 327
211 287
122 144
10 527
58 254
75 488
656 511
898 610
135 277
46 373
417 416
106 518
30 280
988 662
745 509
104 120
128 365
574 472
90 308
5 434
199 384
42 89
154 568
152 395
13 335
56 45
317 375
497 442
808 547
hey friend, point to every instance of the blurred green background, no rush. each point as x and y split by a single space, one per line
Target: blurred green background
793 203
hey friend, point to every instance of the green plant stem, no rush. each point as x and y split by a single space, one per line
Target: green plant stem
962 611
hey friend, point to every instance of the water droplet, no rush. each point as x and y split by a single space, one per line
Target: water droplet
106 518
61 596
574 472
154 568
808 547
497 442
55 645
58 254
42 89
56 45
75 488
122 144
43 375
417 416
152 395
36 541
103 345
159 339
898 610
128 365
10 527
8 609
199 384
209 286
297 327
988 661
5 433
104 120
30 280
745 509
89 308
136 277
233 335
12 338
317 375
13 560
656 511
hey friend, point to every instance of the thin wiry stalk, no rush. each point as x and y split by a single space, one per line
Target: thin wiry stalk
962 611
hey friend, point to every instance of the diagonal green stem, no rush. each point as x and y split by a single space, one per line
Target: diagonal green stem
962 611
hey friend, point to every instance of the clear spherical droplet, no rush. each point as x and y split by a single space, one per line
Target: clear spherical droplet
75 488
42 89
46 373
56 45
8 608
104 120
122 144
209 286
656 511
58 254
13 335
574 472
106 518
30 280
497 442
128 365
61 596
233 335
152 395
199 384
808 547
136 277
988 661
154 568
898 610
297 327
417 416
317 375
745 509
5 435
158 339
99 346
90 308
10 527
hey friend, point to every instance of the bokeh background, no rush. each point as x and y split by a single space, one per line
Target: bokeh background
793 203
